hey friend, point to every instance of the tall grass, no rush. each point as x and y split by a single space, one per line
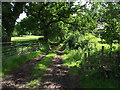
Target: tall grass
97 80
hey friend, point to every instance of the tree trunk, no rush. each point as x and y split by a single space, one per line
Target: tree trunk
9 15
6 37
46 42
46 35
110 49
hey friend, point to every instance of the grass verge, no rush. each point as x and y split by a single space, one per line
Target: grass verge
40 69
90 80
13 62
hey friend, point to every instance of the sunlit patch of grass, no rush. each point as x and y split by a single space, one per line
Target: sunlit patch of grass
40 69
34 82
26 38
15 61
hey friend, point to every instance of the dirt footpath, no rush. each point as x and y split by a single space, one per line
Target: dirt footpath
57 76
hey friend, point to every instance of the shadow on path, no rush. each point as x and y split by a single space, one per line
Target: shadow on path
57 76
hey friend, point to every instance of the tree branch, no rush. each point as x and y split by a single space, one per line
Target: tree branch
68 22
54 21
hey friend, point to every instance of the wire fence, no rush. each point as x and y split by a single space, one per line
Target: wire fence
17 48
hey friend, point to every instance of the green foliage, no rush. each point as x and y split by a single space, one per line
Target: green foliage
74 60
76 40
49 17
26 27
109 16
10 12
87 42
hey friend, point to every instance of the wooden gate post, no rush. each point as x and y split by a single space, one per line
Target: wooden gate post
22 47
85 60
102 53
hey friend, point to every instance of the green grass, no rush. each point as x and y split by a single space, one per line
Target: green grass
96 80
26 38
44 46
15 61
40 69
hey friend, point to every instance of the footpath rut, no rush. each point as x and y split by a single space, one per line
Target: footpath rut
57 76
21 76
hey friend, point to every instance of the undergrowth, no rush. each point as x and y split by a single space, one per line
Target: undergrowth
74 59
97 80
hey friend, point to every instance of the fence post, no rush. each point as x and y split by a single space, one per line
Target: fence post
102 55
88 55
85 60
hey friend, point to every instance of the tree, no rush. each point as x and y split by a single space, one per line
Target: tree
110 18
11 11
49 15
26 26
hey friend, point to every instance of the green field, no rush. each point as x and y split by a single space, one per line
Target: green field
26 38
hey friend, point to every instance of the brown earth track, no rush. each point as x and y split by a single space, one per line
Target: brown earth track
56 76
22 75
